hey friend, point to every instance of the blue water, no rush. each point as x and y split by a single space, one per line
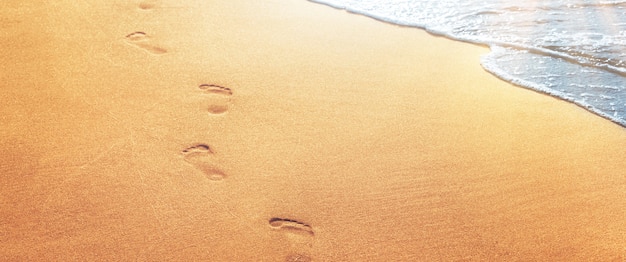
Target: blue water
571 49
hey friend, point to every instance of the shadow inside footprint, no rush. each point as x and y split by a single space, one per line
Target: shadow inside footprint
291 225
218 98
142 40
201 156
199 148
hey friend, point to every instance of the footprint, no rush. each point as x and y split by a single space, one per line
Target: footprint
201 156
148 4
218 98
142 40
298 235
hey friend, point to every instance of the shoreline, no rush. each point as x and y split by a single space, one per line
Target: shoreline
286 131
502 75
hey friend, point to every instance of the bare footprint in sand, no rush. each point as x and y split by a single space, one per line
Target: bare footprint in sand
142 40
299 235
218 98
201 156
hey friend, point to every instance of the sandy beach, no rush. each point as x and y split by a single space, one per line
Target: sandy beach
159 130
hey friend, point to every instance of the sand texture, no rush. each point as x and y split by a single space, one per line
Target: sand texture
283 130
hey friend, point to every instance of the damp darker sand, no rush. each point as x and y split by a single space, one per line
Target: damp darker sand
285 131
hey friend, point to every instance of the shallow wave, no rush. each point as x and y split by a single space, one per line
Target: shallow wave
610 108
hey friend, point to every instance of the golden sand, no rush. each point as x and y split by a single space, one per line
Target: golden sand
285 131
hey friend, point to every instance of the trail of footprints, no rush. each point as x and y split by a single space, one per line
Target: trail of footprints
141 39
203 157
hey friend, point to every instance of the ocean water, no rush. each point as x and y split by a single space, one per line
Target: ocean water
572 49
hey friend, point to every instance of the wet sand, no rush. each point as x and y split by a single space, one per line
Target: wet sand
285 131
